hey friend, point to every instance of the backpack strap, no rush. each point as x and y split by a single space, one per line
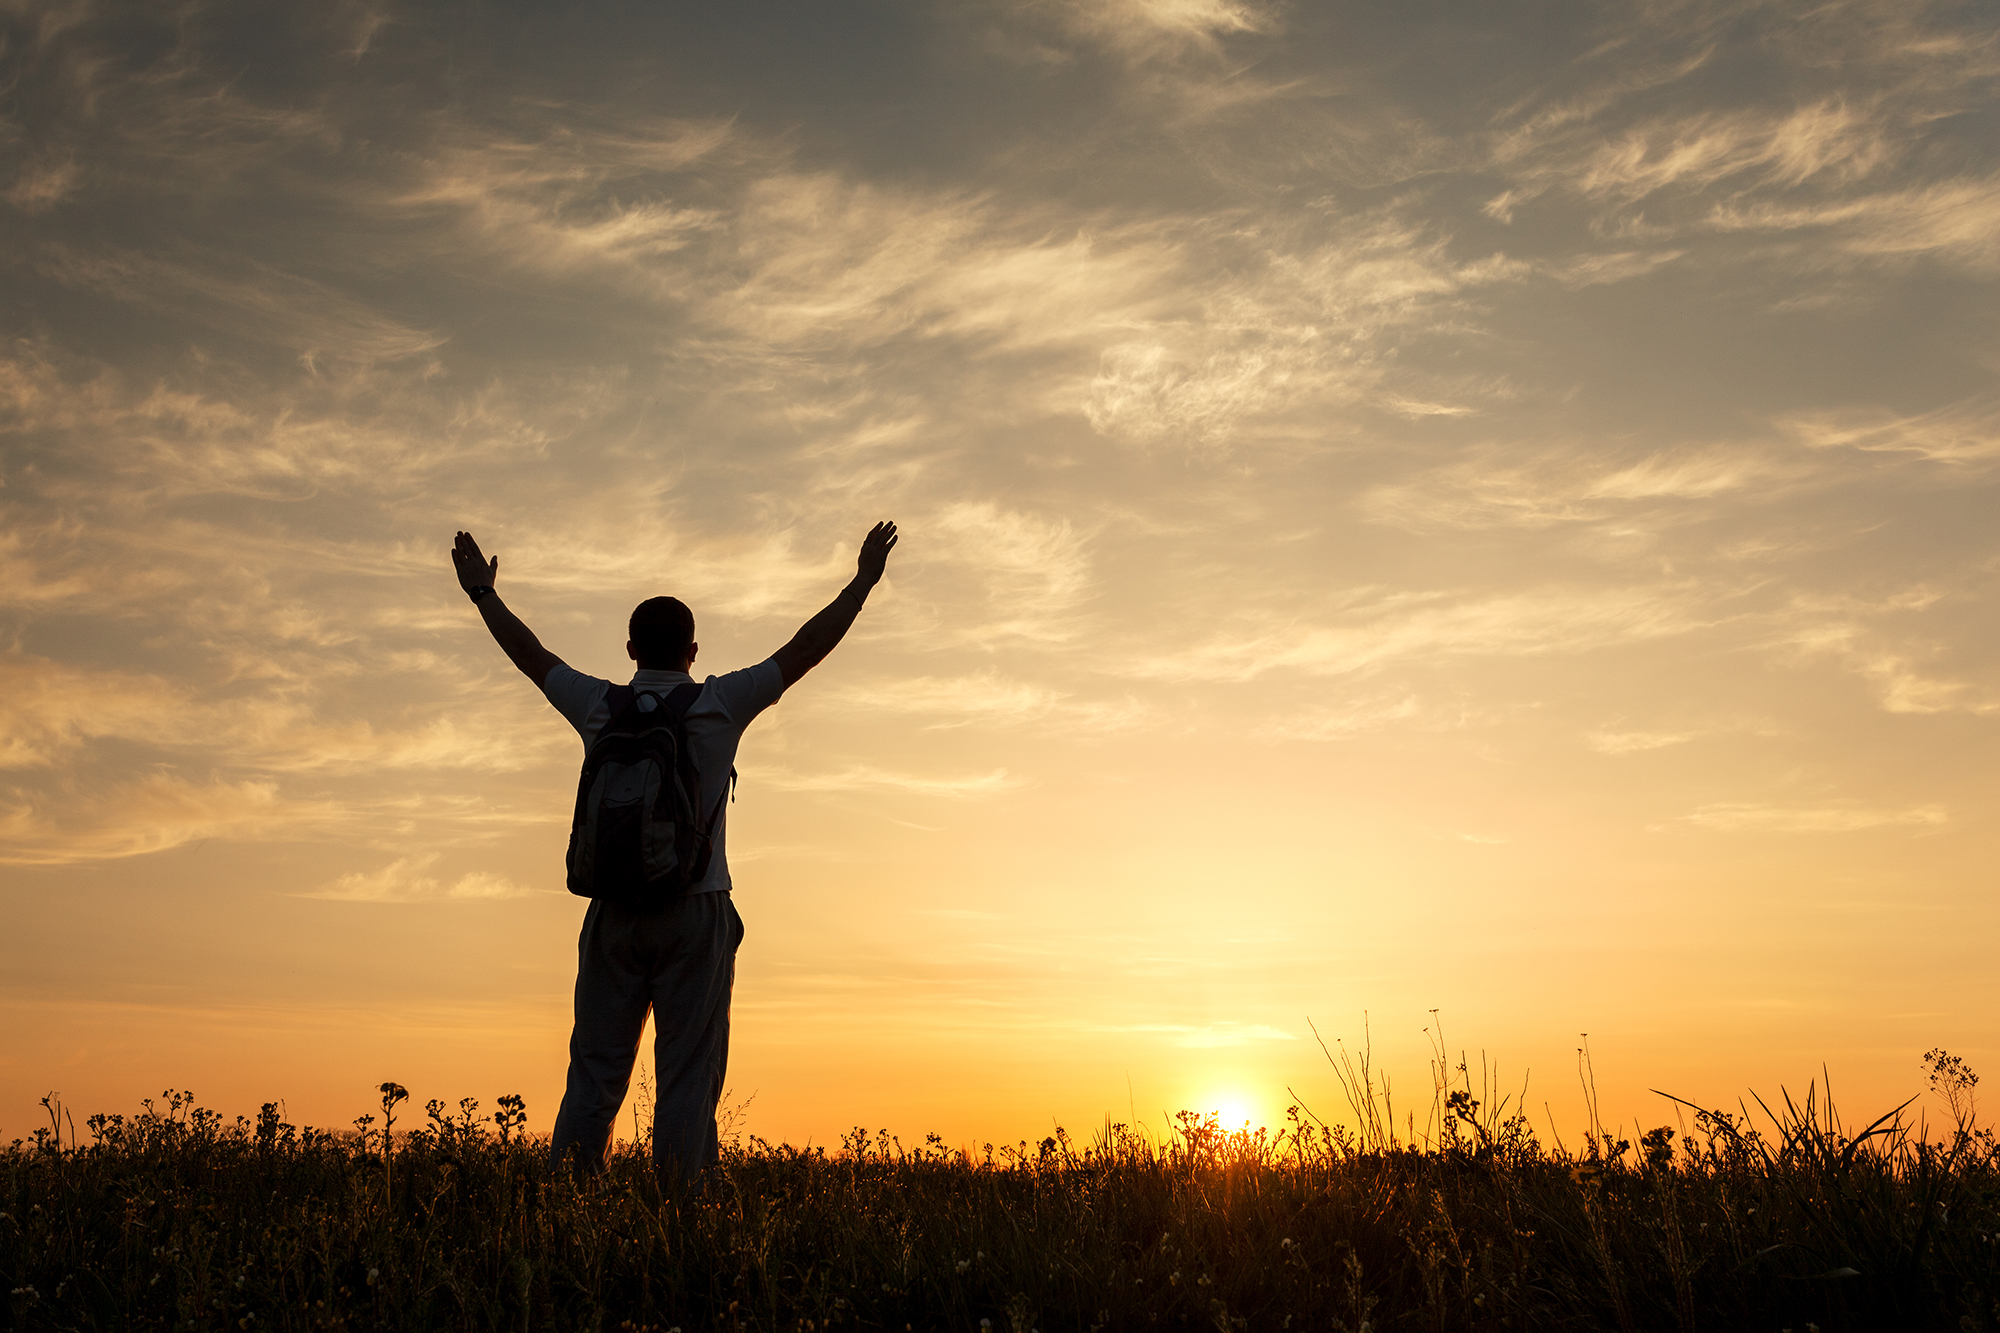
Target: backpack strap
676 705
618 698
722 802
681 698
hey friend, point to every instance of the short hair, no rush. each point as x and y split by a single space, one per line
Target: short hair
662 629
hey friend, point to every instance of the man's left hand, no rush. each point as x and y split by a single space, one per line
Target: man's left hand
474 569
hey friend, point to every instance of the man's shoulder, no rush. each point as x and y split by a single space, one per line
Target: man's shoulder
573 693
747 691
567 679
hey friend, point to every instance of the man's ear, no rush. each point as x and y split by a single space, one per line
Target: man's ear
631 650
693 648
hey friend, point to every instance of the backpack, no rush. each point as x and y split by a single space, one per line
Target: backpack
637 831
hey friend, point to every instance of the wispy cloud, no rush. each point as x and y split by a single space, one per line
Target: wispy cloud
1829 138
1952 220
251 300
1333 723
1152 30
1967 431
1302 326
1542 487
1845 152
988 699
405 880
63 826
1634 742
1015 576
862 778
1383 630
1870 641
1747 817
48 708
1208 1036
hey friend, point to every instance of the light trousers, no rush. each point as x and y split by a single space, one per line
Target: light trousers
676 959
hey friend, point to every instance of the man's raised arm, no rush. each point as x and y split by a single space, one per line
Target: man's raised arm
817 636
476 575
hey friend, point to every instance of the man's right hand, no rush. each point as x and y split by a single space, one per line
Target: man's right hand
474 570
516 640
874 553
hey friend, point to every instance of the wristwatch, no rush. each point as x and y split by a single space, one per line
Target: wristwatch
476 593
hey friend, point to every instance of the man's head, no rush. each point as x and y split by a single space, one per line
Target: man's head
662 631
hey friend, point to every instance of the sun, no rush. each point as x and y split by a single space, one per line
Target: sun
1233 1110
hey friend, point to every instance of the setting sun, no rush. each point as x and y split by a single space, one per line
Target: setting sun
1234 1108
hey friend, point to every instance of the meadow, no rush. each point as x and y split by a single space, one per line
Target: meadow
1762 1218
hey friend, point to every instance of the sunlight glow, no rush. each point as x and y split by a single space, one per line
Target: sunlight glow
1234 1110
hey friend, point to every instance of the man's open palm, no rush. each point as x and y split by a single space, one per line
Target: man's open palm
474 570
874 552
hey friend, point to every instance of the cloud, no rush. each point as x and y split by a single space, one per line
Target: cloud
1025 577
554 195
201 432
48 708
1326 724
539 200
772 262
1841 137
246 299
1288 326
1541 487
1619 266
1684 476
984 698
1208 1036
296 745
1887 656
404 881
1429 627
1747 817
1192 328
1182 331
1147 30
43 184
1632 742
1955 220
1832 138
988 699
1175 328
1966 431
863 778
63 826
826 262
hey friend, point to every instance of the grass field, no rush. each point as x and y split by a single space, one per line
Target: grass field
1782 1217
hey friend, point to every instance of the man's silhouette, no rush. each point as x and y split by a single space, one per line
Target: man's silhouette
676 957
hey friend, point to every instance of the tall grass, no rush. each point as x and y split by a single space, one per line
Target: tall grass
1784 1217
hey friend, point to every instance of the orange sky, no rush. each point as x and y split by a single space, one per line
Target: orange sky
1431 510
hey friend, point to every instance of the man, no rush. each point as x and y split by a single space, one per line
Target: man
676 957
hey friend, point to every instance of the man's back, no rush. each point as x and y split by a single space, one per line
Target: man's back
715 724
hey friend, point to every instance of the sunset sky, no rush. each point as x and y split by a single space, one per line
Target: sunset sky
1461 507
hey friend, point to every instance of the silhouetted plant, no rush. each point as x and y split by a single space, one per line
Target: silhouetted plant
1774 1217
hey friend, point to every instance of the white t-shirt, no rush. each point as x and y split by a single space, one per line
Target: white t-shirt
715 724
